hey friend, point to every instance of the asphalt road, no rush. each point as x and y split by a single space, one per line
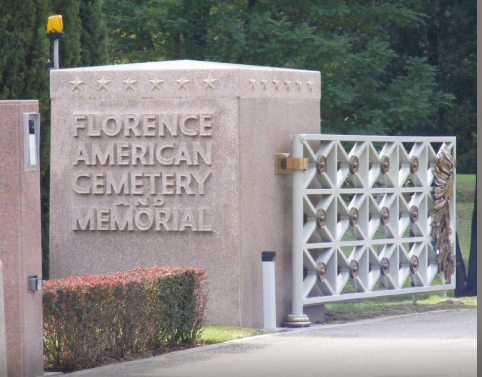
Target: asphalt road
434 344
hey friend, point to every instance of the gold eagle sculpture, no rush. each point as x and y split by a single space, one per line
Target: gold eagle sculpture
444 181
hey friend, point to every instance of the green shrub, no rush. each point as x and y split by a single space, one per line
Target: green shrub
90 318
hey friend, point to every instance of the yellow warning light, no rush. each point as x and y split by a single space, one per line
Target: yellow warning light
55 25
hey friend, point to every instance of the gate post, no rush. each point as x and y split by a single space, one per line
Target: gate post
20 238
297 318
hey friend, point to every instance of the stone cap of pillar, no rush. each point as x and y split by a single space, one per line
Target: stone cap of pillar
184 79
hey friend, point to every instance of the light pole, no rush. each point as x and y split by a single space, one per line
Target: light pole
55 31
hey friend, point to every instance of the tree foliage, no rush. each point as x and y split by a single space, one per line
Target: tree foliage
395 67
23 48
378 61
449 41
24 51
94 33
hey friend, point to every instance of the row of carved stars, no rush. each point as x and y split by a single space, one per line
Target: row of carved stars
276 84
182 83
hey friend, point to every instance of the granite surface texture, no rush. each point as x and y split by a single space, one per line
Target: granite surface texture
20 243
3 339
172 164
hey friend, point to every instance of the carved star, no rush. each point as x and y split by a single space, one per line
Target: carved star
287 85
103 84
251 83
76 84
263 84
309 84
276 84
181 83
210 82
156 84
298 85
129 83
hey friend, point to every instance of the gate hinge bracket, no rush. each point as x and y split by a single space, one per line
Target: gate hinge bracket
284 164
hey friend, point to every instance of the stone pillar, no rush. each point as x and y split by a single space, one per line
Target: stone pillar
172 164
3 338
20 241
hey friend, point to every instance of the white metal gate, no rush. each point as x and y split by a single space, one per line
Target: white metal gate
363 217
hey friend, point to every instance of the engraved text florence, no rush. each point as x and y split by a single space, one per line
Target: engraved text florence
151 154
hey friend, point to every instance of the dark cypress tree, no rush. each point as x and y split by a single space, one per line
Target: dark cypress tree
85 42
94 33
70 45
24 50
448 40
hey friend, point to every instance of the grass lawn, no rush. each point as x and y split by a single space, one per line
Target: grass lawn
352 311
465 207
220 334
365 309
465 188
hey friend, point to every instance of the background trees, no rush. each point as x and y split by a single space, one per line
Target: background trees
395 67
387 66
24 51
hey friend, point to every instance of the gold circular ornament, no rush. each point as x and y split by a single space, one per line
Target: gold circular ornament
353 269
321 271
413 264
413 214
384 266
354 164
414 164
384 164
353 216
321 164
384 215
321 218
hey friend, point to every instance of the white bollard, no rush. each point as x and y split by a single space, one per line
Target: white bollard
269 289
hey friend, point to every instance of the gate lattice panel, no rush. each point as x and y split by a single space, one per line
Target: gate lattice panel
363 217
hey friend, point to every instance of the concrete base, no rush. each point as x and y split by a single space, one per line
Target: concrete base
296 321
316 313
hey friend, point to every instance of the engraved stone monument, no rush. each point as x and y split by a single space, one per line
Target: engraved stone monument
172 164
20 238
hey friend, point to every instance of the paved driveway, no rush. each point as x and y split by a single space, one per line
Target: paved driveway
434 344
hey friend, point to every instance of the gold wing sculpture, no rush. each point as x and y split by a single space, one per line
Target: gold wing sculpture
444 181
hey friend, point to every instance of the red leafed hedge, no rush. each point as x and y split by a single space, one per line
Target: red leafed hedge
89 318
